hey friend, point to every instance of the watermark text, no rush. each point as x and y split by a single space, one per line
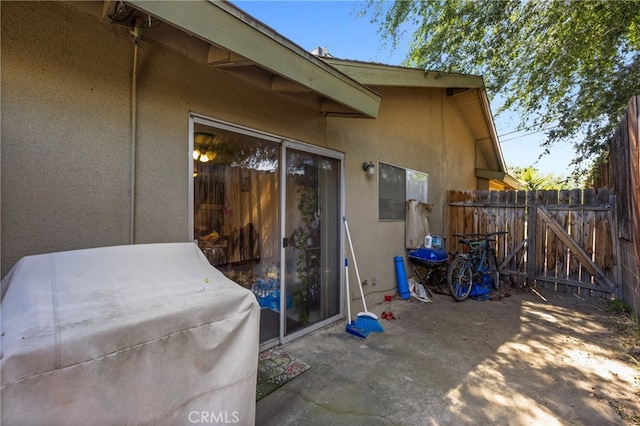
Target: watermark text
214 417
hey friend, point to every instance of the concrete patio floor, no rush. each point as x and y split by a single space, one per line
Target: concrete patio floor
521 360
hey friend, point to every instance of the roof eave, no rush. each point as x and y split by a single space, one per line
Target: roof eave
381 75
372 74
224 25
503 177
492 129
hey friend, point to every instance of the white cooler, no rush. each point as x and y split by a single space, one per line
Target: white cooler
139 334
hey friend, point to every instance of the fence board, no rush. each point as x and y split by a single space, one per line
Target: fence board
520 234
620 171
556 239
549 245
574 225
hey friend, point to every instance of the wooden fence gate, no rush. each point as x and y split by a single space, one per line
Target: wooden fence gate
561 240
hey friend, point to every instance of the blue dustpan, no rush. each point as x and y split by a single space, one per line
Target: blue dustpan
353 329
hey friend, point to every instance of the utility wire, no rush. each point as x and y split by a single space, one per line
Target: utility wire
522 136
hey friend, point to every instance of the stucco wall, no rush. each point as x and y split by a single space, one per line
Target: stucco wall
65 146
66 139
418 129
66 130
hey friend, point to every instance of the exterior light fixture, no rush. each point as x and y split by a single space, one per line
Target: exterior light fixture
369 168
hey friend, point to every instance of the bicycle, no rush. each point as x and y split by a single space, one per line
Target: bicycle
472 266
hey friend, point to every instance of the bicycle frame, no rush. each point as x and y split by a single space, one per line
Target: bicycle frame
470 267
477 254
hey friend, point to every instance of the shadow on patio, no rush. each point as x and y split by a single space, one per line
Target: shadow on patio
520 360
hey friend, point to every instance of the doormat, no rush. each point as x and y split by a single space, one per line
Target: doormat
275 368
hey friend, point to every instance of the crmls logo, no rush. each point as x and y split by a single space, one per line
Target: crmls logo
213 417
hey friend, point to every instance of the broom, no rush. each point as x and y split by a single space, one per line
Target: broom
352 328
365 320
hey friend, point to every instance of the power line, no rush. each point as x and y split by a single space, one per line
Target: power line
522 136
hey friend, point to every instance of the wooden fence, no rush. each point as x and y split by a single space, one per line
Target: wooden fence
556 239
620 171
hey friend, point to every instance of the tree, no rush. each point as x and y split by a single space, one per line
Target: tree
568 67
532 179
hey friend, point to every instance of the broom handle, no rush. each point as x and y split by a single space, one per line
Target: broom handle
346 273
355 264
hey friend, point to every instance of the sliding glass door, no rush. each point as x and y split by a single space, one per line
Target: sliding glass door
312 225
289 260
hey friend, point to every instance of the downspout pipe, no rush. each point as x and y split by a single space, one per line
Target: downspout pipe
136 32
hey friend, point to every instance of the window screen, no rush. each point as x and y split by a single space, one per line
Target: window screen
417 188
396 186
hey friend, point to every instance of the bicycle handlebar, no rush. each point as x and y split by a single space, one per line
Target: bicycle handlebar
471 238
484 236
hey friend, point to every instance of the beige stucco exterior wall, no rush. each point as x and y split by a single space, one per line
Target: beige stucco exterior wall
66 143
65 136
418 129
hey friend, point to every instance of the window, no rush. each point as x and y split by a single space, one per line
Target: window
397 185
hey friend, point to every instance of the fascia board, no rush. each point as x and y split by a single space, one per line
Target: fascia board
499 176
213 23
372 74
493 135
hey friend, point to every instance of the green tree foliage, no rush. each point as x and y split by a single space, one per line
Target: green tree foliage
532 179
567 67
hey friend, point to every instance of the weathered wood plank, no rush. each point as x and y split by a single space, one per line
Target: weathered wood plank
482 217
541 232
617 250
590 242
519 234
549 245
533 247
575 249
456 220
512 254
469 214
566 282
532 220
574 224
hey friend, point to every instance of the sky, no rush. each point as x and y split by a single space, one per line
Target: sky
338 26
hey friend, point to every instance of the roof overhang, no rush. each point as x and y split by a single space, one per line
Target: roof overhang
237 40
372 74
467 92
498 176
473 104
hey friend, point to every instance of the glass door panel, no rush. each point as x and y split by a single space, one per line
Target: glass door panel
311 240
236 205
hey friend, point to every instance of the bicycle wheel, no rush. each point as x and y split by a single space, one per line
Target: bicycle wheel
460 279
492 269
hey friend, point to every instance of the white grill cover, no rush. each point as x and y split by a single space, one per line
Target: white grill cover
127 335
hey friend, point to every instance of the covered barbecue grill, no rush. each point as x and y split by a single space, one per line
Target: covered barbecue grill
139 334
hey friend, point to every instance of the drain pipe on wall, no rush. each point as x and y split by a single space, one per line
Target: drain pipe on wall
136 32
